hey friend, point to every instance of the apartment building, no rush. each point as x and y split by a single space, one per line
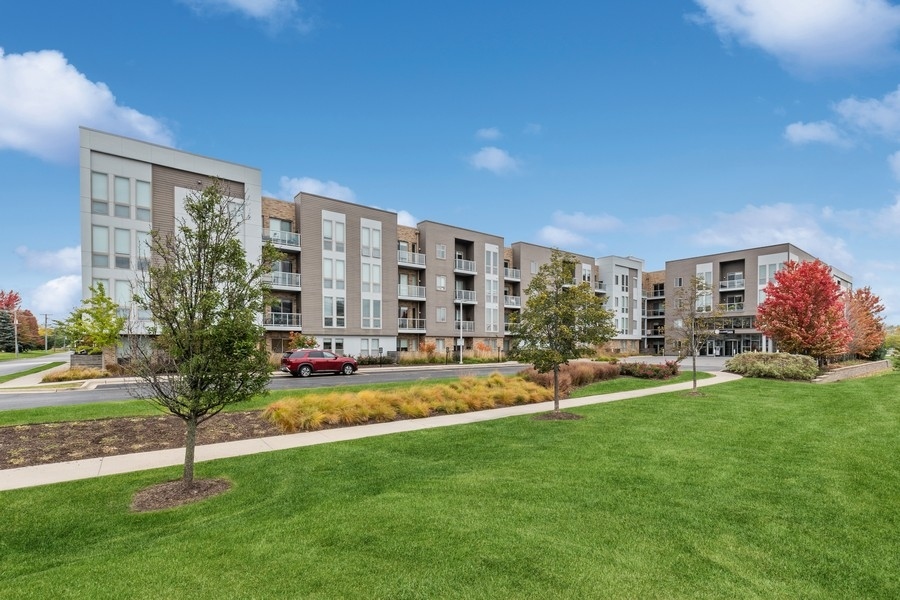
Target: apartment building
737 280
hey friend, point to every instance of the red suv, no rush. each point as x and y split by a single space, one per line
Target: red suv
303 363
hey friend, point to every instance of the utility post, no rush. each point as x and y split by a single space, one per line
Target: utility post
45 330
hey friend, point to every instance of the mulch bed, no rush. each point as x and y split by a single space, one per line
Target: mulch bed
174 493
28 445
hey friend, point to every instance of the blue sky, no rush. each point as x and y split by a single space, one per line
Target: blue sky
661 129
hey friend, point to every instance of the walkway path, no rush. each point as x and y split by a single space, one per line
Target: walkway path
126 463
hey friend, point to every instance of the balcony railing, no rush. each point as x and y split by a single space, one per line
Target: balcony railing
657 294
512 301
415 292
465 266
600 288
410 259
656 312
277 320
731 284
654 332
468 296
509 327
411 324
280 279
467 326
282 238
732 307
512 274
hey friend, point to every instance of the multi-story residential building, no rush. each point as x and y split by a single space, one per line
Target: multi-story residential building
623 285
654 312
737 280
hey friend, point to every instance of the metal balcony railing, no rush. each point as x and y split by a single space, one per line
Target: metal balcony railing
467 326
464 296
465 266
416 292
282 238
277 320
404 324
515 274
512 301
280 279
410 259
731 284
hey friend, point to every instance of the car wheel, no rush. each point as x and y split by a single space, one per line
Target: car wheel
305 370
347 369
294 373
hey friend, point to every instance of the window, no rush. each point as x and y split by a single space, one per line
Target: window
371 313
365 242
679 281
122 195
142 243
327 273
99 193
100 246
338 236
327 234
376 279
96 283
122 241
364 347
333 311
534 268
376 243
142 200
366 277
439 345
440 283
441 314
123 293
339 275
440 251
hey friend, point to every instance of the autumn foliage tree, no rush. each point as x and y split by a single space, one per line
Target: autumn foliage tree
866 323
803 311
10 300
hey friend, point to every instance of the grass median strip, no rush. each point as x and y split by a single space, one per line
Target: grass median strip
754 489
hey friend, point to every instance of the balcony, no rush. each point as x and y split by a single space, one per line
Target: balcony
411 325
732 284
512 274
600 288
654 332
465 296
509 328
657 294
413 260
464 267
410 292
467 326
282 239
732 307
512 301
656 312
279 320
280 280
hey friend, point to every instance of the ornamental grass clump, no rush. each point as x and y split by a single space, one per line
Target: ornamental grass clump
338 409
75 374
648 371
774 365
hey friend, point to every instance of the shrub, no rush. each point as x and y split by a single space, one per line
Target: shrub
572 375
777 365
649 371
75 374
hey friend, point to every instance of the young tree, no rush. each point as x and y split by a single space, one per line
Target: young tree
695 319
29 335
298 340
803 311
94 325
866 323
560 320
205 349
10 300
7 332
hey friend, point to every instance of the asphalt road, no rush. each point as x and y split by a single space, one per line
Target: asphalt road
8 367
111 392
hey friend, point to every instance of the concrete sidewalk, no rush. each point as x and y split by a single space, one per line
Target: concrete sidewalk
97 467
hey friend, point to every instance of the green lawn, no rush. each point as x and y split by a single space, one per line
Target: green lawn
28 354
756 489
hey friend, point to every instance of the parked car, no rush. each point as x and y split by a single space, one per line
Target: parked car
303 363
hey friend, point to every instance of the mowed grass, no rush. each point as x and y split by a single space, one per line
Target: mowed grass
38 369
756 489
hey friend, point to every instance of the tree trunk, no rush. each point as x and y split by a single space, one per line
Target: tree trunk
556 388
190 442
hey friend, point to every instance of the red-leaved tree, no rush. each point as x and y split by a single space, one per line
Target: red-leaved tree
866 323
10 300
803 311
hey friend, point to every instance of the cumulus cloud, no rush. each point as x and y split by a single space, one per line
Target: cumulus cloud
579 221
754 226
820 131
291 186
894 164
57 297
405 218
64 260
572 231
874 116
809 35
43 100
533 129
488 133
494 160
562 238
274 13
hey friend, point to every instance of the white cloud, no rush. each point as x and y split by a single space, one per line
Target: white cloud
755 226
820 131
559 237
533 129
810 34
43 100
580 221
291 186
879 117
274 13
64 260
57 297
405 218
894 163
494 160
488 133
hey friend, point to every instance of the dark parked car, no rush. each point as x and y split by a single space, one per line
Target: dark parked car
303 363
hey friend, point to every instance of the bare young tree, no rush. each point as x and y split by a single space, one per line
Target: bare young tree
203 349
696 317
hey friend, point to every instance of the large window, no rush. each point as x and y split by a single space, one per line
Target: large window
123 248
99 246
440 282
440 251
371 313
122 195
99 193
142 200
441 314
333 311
